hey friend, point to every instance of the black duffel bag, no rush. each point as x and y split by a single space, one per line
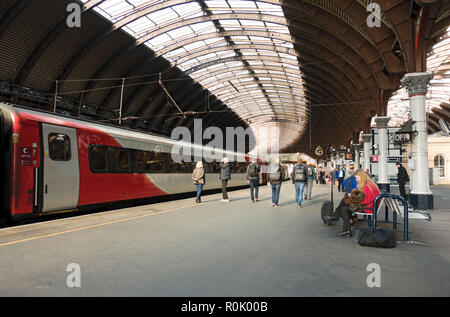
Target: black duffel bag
378 238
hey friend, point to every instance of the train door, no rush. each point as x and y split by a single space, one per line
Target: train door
61 177
3 177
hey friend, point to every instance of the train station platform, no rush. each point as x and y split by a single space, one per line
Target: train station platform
235 249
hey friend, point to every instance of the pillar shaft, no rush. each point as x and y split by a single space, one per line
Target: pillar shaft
420 193
356 148
367 138
382 122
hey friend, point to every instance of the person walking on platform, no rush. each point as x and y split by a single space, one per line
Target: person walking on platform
299 177
402 178
311 174
253 179
275 180
225 176
341 177
198 176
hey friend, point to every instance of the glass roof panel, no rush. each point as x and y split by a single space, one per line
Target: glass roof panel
266 77
438 92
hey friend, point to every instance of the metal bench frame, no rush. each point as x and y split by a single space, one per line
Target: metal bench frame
391 202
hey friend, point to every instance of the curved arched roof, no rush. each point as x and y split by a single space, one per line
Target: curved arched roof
315 69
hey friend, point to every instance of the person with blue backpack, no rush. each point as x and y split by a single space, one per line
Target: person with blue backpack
350 182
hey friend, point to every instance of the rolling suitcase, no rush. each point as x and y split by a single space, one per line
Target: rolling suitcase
326 210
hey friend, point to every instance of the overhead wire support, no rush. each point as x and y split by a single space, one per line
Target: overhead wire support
56 97
163 87
121 101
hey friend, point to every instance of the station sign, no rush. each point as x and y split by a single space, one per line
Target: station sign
402 137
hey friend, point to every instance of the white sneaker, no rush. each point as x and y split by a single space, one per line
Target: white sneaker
225 200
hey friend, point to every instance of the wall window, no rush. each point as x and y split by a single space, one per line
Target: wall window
59 147
439 162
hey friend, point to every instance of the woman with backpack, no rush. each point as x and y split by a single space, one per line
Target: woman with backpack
253 179
275 180
198 176
225 175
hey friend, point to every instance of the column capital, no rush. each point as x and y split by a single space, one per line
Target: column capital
417 83
382 122
366 138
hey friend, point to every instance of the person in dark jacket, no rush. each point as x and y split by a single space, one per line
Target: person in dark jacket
253 179
340 176
403 178
225 176
276 177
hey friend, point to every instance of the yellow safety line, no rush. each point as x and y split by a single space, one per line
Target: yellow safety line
90 227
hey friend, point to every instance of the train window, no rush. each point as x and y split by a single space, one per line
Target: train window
148 162
208 168
59 147
122 160
98 158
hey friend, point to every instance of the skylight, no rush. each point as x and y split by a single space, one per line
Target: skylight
438 90
219 42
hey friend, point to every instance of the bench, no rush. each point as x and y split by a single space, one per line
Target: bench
392 202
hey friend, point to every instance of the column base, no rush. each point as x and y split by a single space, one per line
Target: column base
421 201
385 187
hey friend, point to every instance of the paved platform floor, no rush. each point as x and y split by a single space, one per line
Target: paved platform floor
221 249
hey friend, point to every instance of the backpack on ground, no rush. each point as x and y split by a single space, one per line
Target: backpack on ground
276 175
253 170
326 211
379 238
299 174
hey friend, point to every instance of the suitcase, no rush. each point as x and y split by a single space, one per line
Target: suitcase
326 210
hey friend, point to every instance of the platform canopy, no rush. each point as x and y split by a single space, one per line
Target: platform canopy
241 51
316 71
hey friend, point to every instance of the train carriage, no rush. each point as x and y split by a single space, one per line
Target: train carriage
54 163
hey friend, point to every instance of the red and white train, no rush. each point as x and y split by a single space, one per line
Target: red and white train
53 163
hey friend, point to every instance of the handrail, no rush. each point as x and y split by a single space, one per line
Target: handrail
405 213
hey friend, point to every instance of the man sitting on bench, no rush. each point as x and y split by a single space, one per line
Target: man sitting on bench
365 193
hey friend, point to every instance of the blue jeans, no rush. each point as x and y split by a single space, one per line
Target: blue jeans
275 193
199 190
254 188
299 187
